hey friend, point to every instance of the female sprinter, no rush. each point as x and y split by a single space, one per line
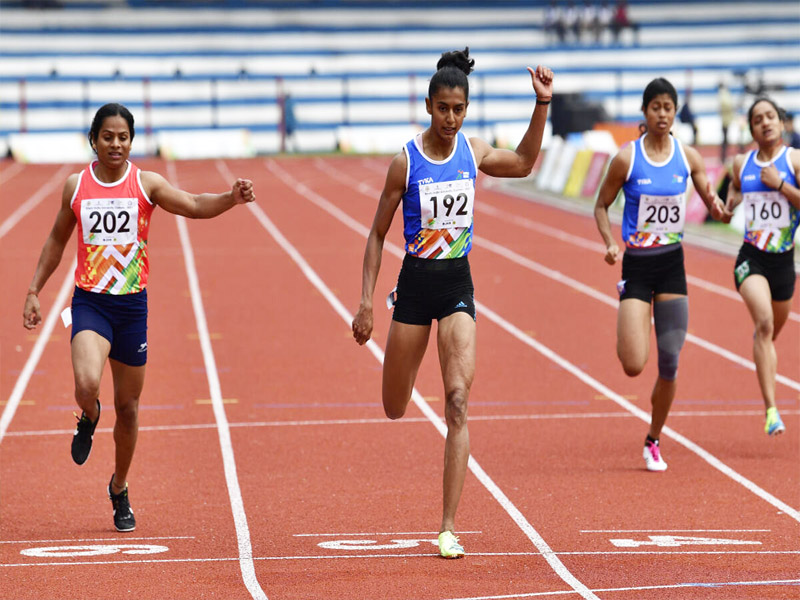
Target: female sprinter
653 173
766 179
434 176
111 202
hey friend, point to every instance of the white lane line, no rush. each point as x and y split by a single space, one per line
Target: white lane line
533 535
379 533
550 354
399 555
36 353
7 174
532 265
116 539
29 204
223 429
675 530
712 585
409 420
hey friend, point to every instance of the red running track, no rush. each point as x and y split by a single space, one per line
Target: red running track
265 467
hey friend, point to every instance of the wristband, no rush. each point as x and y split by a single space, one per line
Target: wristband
542 102
34 292
780 187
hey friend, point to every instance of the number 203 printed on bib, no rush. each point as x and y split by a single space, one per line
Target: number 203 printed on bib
661 214
109 221
446 204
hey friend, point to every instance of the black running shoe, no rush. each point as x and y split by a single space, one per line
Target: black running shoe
123 513
82 439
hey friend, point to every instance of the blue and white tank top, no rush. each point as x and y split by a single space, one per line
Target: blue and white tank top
770 220
439 200
655 198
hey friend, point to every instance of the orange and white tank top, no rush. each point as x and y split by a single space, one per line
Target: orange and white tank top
113 225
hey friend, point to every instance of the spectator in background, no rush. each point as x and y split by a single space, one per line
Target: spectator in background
622 21
554 22
727 113
604 18
588 19
790 136
687 116
572 21
289 123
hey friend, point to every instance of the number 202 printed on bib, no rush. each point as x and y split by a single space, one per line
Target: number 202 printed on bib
109 221
446 204
661 214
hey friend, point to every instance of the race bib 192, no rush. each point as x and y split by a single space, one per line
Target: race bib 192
109 221
446 204
661 214
766 210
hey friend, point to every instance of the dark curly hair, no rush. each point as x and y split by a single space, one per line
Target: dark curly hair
452 71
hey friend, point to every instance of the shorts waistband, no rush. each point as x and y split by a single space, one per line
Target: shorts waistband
654 251
433 264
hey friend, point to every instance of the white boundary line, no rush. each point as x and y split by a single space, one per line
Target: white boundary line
38 348
223 429
7 174
404 555
116 539
537 540
27 206
333 210
408 420
639 588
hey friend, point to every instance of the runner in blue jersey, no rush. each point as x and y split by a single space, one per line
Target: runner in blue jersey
653 174
434 177
766 179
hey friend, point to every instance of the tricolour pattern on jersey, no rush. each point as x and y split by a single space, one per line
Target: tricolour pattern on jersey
109 268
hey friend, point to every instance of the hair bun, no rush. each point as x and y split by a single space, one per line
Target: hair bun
457 58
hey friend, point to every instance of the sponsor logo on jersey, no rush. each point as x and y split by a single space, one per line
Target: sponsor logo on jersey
424 181
644 181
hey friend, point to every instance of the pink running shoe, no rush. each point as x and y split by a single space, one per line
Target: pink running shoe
652 457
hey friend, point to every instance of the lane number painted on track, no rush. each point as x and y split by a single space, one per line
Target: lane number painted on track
374 545
93 550
673 541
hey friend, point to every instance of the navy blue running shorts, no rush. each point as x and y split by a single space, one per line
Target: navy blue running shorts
121 319
646 273
776 267
430 289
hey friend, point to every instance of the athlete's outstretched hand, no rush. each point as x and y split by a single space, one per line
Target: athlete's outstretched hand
362 325
542 79
612 254
242 191
717 207
32 312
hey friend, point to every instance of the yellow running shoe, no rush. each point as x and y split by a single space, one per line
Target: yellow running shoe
773 424
449 546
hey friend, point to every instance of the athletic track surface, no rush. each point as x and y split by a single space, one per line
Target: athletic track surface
265 467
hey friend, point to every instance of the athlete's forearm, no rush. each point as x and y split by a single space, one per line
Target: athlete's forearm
370 270
49 260
531 143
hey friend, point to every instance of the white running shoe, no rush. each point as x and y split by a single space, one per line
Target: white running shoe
652 457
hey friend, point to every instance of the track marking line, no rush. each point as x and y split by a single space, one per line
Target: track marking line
410 420
675 530
117 539
639 588
31 203
38 348
10 172
555 563
380 533
514 331
223 429
403 555
559 277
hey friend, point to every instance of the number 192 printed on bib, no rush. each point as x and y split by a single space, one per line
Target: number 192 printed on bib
446 204
109 221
